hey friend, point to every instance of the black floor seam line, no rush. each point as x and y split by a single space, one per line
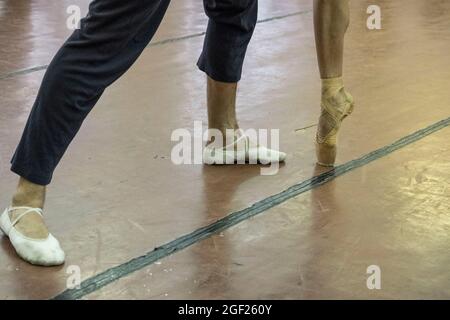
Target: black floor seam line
15 73
110 275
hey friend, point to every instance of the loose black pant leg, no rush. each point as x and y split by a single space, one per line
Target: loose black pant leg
110 39
230 28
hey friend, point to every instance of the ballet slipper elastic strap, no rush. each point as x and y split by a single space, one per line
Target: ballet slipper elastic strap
28 210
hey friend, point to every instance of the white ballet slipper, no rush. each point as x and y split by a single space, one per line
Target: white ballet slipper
243 150
42 252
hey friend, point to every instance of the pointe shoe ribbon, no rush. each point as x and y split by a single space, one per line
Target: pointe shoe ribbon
43 252
241 151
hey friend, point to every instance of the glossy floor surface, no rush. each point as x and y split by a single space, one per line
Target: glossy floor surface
116 195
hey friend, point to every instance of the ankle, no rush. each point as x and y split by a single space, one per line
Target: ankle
224 128
331 87
29 194
24 199
223 133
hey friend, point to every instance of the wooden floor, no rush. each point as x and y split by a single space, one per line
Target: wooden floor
116 195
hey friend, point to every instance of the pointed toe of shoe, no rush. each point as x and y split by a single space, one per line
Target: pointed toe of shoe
274 157
264 155
281 156
41 252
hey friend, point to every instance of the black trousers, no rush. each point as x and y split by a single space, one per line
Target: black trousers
110 39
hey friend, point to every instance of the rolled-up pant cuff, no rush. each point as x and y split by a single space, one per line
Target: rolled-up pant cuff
30 176
217 76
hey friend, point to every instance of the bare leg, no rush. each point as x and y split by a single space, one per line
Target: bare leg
221 105
331 20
